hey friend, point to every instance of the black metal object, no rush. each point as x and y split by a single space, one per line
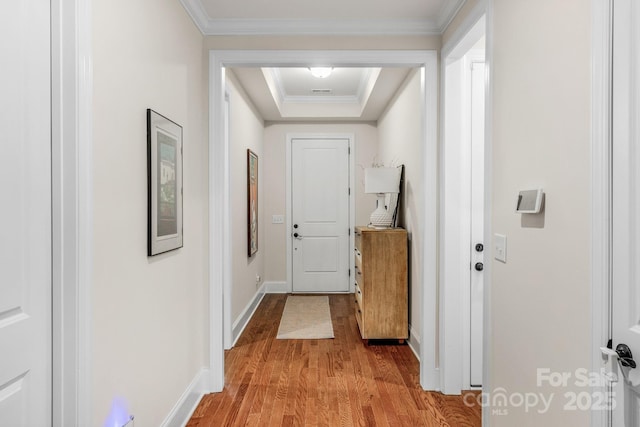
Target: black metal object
624 356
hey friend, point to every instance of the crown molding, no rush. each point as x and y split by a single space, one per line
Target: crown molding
290 27
197 13
447 12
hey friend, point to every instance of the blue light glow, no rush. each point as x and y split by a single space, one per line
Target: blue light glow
119 413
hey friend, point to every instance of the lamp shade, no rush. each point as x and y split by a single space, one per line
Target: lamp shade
381 180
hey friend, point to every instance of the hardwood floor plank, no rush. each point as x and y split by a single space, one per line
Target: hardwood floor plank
332 382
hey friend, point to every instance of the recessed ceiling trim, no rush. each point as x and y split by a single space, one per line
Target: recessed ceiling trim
322 99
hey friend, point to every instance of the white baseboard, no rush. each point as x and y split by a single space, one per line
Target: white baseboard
242 320
276 288
181 412
414 342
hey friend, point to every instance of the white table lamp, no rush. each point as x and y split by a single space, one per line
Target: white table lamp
381 181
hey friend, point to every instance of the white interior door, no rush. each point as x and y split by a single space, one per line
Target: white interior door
626 205
25 216
477 221
320 215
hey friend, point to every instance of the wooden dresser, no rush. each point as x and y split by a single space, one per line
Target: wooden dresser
381 283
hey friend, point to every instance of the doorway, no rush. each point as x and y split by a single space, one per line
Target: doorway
462 212
319 206
219 190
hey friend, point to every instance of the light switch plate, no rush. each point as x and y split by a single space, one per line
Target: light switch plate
277 219
500 247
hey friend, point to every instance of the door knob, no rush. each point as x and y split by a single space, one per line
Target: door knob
297 236
479 266
624 356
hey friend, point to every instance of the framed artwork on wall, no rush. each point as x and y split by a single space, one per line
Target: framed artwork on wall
164 184
252 202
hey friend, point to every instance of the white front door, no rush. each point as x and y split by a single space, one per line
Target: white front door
476 291
25 214
320 215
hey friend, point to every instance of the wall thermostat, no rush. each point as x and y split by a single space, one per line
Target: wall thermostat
529 201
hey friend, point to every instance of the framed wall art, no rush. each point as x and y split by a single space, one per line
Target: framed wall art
252 202
164 184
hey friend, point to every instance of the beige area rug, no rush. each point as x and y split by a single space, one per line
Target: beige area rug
306 317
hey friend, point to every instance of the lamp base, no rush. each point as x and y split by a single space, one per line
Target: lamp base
380 218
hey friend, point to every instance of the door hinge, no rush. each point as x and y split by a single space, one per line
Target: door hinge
610 344
348 150
349 231
349 191
349 272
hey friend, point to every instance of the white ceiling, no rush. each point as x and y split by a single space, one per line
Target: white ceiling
326 17
287 94
355 93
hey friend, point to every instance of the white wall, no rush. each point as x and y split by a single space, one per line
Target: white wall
149 333
245 132
366 145
400 142
323 42
540 299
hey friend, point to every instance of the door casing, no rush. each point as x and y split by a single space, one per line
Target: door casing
219 191
454 225
601 92
72 204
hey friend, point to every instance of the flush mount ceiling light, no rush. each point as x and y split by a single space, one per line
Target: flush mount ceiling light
321 72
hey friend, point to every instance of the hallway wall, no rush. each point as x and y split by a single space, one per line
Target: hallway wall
149 331
400 133
540 299
246 132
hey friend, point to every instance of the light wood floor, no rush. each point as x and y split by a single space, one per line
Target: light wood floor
338 382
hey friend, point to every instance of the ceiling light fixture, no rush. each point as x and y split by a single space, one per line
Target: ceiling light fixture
321 72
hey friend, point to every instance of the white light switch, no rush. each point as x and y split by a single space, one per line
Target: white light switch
500 247
277 219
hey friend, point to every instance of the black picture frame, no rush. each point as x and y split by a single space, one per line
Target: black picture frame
252 203
164 184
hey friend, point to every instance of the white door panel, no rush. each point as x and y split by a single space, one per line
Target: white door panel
626 204
320 214
25 216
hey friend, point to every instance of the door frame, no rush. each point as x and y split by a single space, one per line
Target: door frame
601 190
454 297
350 137
219 191
72 205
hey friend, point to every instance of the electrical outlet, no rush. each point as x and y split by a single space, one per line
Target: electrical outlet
257 279
277 219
